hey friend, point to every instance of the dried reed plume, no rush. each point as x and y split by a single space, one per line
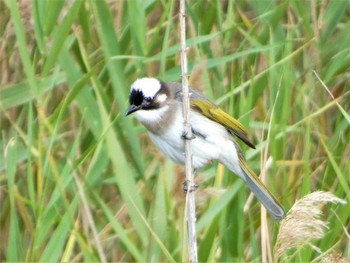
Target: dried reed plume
303 223
334 258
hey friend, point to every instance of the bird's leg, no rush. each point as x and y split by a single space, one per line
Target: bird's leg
190 186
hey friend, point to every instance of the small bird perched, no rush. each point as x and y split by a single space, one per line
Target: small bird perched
158 106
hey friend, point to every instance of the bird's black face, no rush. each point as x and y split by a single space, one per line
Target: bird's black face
137 98
139 101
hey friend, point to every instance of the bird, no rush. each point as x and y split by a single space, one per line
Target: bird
158 106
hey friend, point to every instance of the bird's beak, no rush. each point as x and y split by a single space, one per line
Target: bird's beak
132 109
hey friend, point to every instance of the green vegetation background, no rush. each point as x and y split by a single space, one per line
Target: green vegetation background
79 180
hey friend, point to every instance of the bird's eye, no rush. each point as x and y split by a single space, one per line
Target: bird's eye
148 99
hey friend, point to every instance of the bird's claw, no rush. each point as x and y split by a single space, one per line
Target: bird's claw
188 186
185 136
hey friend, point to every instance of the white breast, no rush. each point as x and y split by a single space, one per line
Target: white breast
216 143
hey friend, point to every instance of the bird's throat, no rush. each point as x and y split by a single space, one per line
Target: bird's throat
157 120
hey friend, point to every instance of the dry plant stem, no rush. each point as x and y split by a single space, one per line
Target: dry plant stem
265 237
89 217
190 198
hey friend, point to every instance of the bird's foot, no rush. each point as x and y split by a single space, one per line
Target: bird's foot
189 186
186 136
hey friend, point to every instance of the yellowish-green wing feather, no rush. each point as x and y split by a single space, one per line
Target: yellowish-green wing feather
216 114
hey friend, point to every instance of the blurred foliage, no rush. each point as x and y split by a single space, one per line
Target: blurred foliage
66 69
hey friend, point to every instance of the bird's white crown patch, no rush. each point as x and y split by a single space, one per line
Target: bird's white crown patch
148 86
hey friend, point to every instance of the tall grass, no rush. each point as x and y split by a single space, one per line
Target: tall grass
66 69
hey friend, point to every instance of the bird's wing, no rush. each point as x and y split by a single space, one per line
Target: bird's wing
214 113
201 104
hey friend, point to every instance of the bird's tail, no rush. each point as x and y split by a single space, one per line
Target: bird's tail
261 192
